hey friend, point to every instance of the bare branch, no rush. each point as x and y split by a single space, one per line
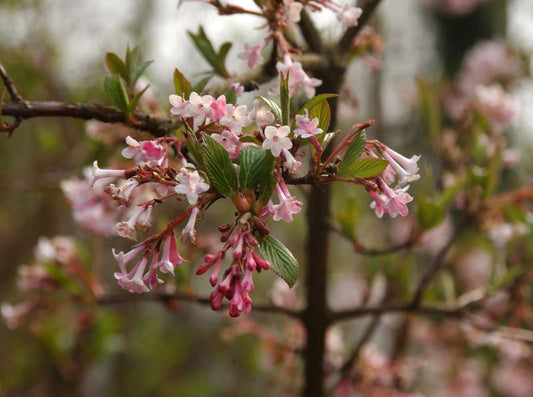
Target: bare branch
158 126
310 32
10 86
166 298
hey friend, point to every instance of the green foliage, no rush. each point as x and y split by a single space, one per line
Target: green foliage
256 165
318 107
348 218
182 85
219 167
366 168
284 99
283 263
429 213
354 151
274 108
215 58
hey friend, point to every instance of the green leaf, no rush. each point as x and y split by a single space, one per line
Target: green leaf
200 86
284 99
429 213
116 90
116 66
267 187
140 70
251 160
274 108
311 103
182 85
231 96
214 58
354 151
322 111
132 59
283 263
366 168
219 167
194 148
136 98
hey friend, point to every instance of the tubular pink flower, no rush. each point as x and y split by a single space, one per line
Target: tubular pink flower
306 128
170 258
217 109
99 173
398 199
188 234
144 152
133 281
276 139
287 206
126 229
124 258
216 298
190 184
379 204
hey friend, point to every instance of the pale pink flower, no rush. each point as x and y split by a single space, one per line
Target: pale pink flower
236 118
197 107
298 79
133 281
99 173
229 141
188 234
261 114
290 164
145 152
398 199
217 109
190 184
306 128
276 139
495 104
252 54
288 205
170 258
122 194
178 104
292 10
349 15
126 229
406 169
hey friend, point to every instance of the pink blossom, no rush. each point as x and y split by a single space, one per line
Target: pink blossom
261 114
349 15
236 118
126 229
290 164
170 258
230 141
197 107
379 204
298 79
397 200
190 184
144 152
276 139
287 206
495 104
99 173
306 128
292 10
133 281
178 104
405 169
252 54
188 233
122 193
217 109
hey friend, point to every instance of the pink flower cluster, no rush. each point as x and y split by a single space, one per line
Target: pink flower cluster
400 171
237 282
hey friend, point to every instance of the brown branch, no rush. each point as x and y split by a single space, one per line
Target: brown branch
310 32
167 298
369 331
430 311
158 126
345 42
10 86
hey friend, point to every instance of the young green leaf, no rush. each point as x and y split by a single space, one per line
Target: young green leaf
136 98
200 86
181 84
366 168
140 70
115 65
354 151
284 99
429 213
283 263
116 90
322 111
219 167
214 58
315 101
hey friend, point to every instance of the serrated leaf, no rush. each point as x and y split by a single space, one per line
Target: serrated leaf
116 90
274 108
115 65
354 151
140 70
367 168
429 213
251 160
282 261
219 167
181 84
194 148
284 98
267 188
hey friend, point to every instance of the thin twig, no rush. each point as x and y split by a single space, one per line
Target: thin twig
164 297
10 86
369 331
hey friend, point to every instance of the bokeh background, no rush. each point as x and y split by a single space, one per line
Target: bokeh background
54 50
